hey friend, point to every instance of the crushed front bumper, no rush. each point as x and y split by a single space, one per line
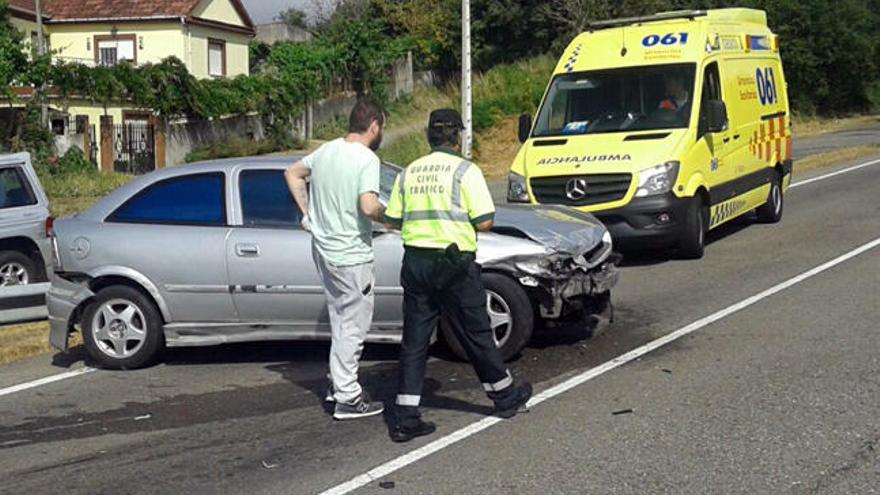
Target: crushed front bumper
63 300
557 296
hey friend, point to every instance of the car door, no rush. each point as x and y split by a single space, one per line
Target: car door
173 232
271 270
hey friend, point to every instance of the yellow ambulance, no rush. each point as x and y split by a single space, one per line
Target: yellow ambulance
663 127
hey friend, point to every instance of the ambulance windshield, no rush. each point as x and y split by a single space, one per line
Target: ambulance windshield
617 100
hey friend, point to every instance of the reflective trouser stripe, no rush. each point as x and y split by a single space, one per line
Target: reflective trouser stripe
408 400
499 385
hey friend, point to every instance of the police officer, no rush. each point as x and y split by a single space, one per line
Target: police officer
439 202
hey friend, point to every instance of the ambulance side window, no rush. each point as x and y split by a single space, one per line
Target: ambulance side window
711 91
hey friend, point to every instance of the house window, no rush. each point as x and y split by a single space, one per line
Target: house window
110 50
216 58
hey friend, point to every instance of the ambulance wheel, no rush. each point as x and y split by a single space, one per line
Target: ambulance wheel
696 226
771 211
511 318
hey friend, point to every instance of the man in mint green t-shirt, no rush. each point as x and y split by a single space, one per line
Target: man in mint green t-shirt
344 198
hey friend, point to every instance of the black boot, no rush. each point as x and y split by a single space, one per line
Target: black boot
508 402
405 433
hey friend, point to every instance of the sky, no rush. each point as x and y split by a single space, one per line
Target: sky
266 10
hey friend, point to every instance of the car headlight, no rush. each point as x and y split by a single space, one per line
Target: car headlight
657 180
517 192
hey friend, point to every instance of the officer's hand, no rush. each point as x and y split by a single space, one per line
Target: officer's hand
306 224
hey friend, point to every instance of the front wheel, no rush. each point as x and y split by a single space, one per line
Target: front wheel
696 226
771 211
122 328
511 318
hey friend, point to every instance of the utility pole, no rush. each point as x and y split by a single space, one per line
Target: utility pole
41 50
466 96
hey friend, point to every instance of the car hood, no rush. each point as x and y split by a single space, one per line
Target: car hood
560 230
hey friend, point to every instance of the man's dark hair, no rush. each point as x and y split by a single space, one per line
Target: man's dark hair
444 135
364 113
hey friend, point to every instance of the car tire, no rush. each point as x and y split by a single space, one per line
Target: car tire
17 268
504 298
122 328
771 211
696 226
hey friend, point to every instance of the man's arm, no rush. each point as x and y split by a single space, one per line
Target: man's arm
371 207
296 181
485 226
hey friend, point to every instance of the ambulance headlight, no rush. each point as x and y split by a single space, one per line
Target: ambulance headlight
657 180
517 192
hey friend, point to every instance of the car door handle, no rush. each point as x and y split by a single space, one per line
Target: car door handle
735 137
247 250
727 140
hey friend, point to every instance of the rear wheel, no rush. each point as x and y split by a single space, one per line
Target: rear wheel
693 239
122 328
771 211
511 318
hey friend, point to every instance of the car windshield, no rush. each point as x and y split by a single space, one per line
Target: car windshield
616 100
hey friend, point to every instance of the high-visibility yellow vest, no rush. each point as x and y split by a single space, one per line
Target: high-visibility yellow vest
438 199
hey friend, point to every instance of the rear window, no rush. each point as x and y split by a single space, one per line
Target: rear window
15 191
266 200
197 199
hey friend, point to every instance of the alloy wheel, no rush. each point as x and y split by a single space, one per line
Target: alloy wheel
119 328
13 273
500 318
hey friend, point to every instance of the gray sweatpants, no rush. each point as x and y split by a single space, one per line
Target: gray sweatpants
349 292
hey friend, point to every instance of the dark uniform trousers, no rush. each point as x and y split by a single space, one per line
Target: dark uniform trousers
463 300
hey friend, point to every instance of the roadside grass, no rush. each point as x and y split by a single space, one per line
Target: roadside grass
405 149
821 160
814 126
72 193
18 342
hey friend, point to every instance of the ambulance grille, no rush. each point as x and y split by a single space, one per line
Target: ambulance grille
601 188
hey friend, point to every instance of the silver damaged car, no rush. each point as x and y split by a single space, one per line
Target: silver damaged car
212 253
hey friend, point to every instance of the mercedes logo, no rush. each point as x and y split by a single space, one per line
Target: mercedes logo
576 189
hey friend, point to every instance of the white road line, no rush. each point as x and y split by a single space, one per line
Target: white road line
834 174
45 381
478 426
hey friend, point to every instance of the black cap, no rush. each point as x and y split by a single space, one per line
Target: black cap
445 117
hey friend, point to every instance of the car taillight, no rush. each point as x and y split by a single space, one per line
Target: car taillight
50 224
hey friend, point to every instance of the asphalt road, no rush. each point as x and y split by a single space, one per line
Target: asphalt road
780 397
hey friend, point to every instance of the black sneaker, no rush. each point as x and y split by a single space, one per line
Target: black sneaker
512 403
329 396
406 433
361 407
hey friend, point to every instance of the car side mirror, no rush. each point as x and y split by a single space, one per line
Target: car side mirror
716 116
525 127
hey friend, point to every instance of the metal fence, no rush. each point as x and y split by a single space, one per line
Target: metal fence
21 303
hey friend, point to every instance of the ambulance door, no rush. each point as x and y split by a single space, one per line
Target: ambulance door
719 170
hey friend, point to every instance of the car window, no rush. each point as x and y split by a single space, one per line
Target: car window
197 199
14 189
266 200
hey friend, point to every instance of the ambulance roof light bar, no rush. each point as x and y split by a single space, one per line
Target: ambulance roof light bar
663 16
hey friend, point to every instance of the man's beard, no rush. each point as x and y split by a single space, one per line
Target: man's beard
377 141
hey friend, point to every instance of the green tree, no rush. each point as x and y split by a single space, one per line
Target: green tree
13 60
